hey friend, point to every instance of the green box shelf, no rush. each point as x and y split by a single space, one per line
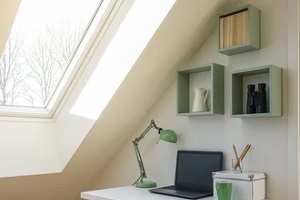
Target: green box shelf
239 30
269 74
214 73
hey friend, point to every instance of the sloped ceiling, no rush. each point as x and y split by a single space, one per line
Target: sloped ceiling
8 10
183 31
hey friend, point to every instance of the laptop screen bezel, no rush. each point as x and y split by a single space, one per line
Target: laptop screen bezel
185 186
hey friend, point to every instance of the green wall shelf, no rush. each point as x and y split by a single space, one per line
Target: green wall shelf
271 75
239 30
210 76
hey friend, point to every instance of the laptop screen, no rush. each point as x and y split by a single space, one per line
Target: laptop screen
194 169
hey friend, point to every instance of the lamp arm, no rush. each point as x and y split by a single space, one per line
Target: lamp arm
140 161
137 151
152 124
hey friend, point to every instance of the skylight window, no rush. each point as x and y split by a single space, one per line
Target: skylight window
43 41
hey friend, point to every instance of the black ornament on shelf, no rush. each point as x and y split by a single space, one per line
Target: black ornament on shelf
256 101
251 108
261 100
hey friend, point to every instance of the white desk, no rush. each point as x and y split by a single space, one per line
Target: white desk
128 193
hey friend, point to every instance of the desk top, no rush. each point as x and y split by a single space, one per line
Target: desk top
128 193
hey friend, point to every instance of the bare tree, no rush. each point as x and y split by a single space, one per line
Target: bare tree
44 69
30 75
11 73
50 57
65 39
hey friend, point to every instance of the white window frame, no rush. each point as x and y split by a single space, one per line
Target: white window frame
95 31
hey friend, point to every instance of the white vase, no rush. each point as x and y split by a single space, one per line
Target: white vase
199 101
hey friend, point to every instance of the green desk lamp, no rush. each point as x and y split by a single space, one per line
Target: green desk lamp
165 135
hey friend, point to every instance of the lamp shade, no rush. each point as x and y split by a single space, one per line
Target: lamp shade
168 136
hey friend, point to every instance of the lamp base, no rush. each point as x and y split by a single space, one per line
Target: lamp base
145 184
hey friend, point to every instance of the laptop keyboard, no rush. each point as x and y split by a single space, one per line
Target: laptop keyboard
171 187
183 191
171 190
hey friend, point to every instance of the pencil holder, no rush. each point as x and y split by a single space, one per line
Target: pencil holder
237 165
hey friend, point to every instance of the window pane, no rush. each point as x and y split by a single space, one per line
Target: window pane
44 37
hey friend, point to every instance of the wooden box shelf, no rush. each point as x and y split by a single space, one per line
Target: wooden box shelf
239 30
210 76
271 75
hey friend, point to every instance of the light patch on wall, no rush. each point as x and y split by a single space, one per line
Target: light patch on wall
131 38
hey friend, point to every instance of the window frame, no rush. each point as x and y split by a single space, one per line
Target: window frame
95 30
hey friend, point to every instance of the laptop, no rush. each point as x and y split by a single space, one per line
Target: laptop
193 176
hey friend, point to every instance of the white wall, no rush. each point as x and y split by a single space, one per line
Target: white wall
274 140
27 148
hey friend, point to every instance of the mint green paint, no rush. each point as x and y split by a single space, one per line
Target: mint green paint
254 31
216 92
275 91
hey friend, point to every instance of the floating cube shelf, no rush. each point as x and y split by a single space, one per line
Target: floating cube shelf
210 75
271 75
239 30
